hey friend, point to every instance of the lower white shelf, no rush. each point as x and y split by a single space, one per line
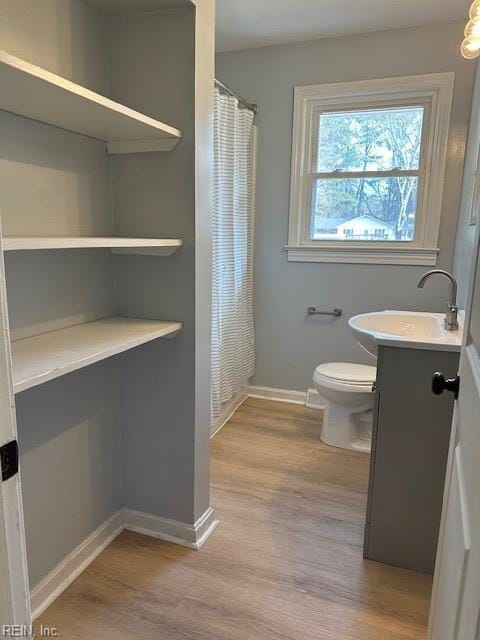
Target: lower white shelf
50 355
138 246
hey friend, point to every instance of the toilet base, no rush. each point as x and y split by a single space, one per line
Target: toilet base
347 427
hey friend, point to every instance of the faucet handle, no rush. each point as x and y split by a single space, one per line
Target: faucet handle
451 319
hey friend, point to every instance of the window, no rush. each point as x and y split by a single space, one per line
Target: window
367 170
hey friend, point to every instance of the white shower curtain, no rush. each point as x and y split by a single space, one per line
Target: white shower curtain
233 354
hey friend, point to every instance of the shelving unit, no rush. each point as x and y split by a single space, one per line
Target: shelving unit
33 92
50 355
137 246
130 435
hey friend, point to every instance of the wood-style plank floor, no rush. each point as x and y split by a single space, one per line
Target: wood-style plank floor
284 564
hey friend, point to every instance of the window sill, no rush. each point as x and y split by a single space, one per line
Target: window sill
419 256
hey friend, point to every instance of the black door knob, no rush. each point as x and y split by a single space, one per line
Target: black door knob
441 384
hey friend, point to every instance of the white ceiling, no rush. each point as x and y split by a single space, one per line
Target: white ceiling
242 24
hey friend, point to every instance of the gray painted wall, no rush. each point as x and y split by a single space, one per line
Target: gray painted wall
54 182
466 231
290 345
63 36
70 461
154 194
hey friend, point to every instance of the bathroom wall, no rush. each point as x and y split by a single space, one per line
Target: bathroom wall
466 230
149 198
289 344
55 182
154 195
69 439
64 36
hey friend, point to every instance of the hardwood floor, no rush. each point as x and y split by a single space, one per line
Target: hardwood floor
284 564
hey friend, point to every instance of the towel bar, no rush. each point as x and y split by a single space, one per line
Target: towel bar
313 311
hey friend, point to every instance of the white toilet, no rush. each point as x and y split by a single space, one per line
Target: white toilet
348 391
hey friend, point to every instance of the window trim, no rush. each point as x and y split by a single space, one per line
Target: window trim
433 91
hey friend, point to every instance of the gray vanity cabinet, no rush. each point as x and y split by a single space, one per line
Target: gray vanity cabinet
411 432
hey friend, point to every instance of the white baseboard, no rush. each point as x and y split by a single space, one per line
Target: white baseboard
228 410
310 398
48 589
193 536
280 395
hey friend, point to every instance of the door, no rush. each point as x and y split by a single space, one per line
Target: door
14 590
455 608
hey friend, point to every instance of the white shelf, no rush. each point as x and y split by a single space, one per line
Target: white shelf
33 92
138 246
50 355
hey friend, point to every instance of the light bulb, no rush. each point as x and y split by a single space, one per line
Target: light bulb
470 47
473 27
475 9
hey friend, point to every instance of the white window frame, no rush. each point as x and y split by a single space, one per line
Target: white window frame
434 92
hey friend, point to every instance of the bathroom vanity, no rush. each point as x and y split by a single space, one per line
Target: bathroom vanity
410 433
410 439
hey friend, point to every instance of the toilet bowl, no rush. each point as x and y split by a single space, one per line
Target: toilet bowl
348 391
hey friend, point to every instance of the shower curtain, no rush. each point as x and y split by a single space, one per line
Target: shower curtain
233 349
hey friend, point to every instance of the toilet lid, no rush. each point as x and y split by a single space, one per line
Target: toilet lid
348 372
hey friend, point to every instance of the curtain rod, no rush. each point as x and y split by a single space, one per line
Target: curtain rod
242 101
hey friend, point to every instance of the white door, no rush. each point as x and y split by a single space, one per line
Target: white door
455 610
14 591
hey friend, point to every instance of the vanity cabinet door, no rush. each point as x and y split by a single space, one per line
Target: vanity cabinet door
409 454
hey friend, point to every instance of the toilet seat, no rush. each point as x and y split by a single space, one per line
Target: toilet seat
345 376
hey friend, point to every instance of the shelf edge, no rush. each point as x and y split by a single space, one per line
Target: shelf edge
142 146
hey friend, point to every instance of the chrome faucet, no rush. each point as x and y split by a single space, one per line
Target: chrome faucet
451 321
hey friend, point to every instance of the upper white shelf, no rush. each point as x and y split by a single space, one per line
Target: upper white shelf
50 355
33 92
138 246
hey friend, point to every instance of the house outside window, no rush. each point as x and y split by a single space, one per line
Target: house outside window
368 165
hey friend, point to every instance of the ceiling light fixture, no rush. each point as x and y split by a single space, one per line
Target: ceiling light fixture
471 45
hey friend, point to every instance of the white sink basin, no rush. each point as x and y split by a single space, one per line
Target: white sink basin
407 329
